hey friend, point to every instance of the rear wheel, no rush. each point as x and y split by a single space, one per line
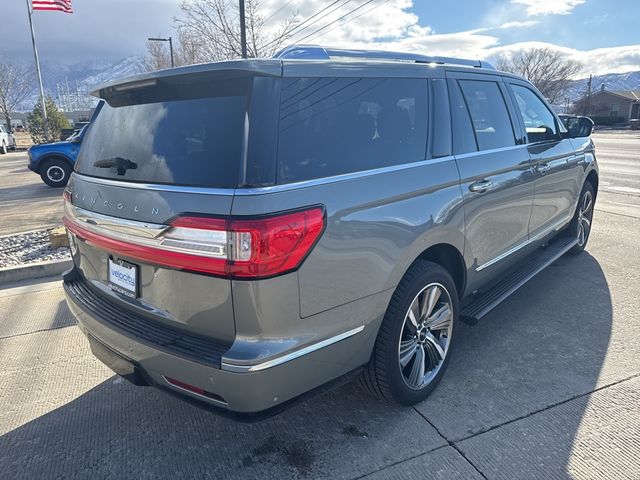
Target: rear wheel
413 347
580 226
3 148
55 172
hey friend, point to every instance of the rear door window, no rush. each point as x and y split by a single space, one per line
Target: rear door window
332 126
489 114
190 138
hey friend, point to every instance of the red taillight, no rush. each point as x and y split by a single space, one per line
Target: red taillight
235 247
274 245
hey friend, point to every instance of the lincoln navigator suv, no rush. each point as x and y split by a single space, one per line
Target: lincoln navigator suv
245 232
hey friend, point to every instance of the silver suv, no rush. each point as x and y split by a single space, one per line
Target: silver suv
244 232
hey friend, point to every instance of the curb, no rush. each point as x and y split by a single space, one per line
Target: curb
34 270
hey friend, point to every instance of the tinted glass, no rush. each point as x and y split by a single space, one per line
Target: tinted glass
331 126
464 140
489 114
538 119
176 140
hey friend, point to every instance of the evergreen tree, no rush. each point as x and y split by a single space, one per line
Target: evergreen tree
56 121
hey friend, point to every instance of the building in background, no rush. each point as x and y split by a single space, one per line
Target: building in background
623 104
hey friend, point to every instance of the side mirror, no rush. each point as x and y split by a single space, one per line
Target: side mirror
579 126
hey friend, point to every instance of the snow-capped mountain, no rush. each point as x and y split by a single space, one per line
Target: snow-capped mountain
81 77
612 82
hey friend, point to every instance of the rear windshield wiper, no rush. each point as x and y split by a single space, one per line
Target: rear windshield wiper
121 164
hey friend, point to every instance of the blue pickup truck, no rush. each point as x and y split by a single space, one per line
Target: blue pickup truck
54 161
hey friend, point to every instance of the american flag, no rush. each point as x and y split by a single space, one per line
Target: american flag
53 5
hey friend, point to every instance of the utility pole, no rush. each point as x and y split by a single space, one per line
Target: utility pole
35 54
243 31
588 99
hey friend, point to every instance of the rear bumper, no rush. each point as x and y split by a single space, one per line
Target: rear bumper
248 392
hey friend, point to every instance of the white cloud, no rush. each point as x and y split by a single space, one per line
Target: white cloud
519 24
549 7
392 26
598 61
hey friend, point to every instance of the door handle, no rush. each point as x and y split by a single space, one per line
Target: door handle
481 186
543 168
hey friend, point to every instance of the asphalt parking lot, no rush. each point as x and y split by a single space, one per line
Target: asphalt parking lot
546 386
26 202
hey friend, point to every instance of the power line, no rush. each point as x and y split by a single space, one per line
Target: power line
342 17
350 20
278 10
297 27
338 7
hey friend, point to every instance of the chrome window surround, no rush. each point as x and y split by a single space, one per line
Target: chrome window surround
261 190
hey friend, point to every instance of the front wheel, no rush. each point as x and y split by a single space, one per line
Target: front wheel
55 173
414 343
3 148
580 226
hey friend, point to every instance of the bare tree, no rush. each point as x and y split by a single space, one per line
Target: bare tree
547 69
16 84
215 25
186 51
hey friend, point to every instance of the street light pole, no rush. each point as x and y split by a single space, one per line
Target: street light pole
243 30
171 50
153 39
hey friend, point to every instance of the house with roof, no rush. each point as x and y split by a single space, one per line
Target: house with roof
624 104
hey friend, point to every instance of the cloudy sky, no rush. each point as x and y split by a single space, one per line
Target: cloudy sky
604 38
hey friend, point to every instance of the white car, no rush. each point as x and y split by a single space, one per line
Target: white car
7 140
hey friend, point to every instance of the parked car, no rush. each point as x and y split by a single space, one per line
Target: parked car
54 161
244 232
7 140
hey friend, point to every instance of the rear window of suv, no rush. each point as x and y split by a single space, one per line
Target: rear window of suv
187 136
333 126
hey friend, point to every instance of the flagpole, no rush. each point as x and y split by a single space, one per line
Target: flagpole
35 54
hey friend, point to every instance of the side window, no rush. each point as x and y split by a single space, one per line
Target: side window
332 126
489 114
538 119
464 140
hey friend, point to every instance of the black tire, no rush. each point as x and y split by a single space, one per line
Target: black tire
385 376
3 148
55 172
582 218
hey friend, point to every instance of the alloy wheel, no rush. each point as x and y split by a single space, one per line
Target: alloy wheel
55 173
585 215
426 336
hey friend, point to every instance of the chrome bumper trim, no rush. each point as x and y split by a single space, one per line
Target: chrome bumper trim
230 367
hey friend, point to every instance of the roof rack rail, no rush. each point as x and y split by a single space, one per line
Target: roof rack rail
317 52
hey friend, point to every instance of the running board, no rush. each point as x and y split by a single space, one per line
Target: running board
483 302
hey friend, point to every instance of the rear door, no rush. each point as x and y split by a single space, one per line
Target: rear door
556 167
495 173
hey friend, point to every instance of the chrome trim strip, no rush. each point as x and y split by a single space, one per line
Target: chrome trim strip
262 190
115 224
538 236
154 186
492 150
229 367
339 178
